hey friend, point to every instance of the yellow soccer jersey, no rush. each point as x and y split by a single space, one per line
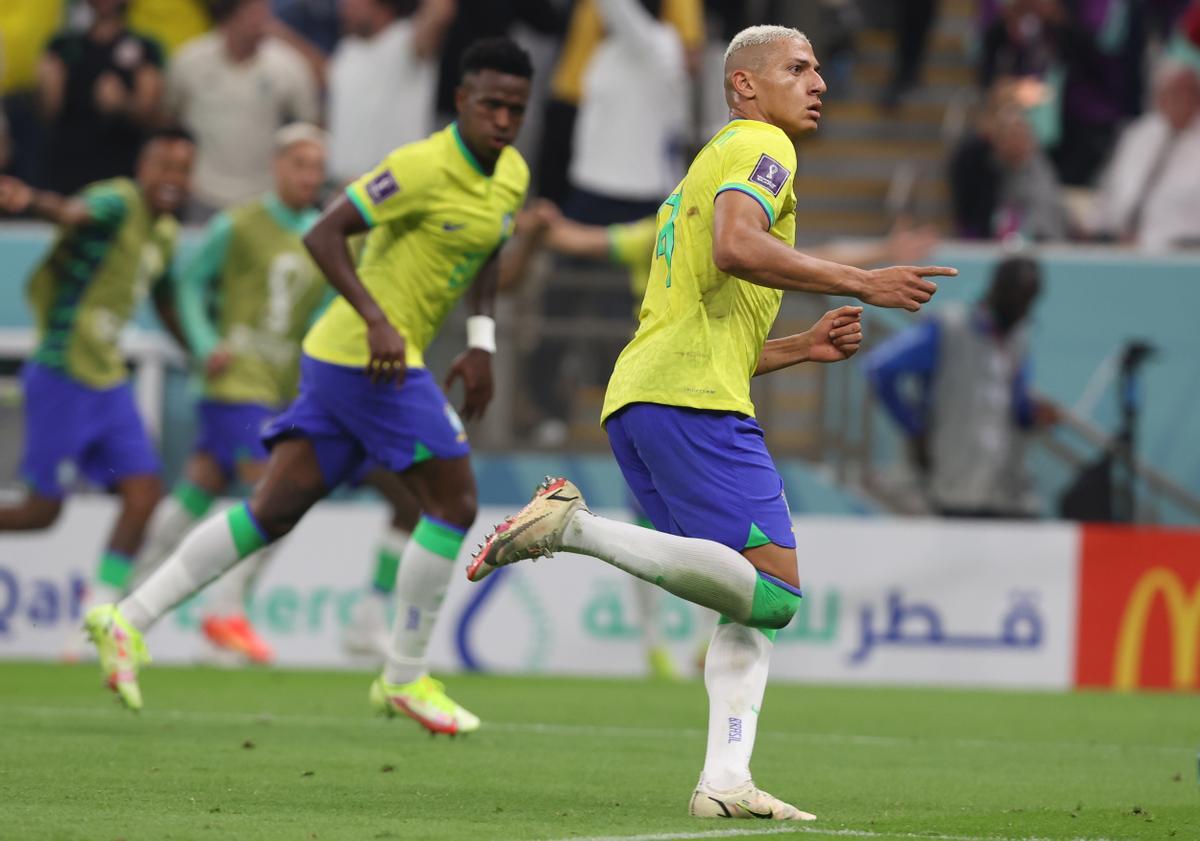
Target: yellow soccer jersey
701 331
632 245
435 218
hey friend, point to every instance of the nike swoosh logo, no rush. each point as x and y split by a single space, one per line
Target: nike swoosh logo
450 226
750 811
562 498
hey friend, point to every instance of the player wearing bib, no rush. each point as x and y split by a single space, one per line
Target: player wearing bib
438 211
678 412
113 248
246 299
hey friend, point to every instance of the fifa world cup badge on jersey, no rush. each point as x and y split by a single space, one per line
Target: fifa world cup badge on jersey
770 173
382 186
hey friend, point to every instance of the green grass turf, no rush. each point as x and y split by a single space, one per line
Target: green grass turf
296 755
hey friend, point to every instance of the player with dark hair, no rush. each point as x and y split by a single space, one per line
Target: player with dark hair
438 212
678 412
114 246
246 298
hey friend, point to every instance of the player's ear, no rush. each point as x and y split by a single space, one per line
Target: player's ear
742 83
460 98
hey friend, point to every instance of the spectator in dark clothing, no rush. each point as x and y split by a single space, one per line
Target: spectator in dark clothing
316 20
1002 183
1020 41
99 91
489 19
914 22
1103 45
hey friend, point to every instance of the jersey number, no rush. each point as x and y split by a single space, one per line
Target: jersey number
286 280
666 236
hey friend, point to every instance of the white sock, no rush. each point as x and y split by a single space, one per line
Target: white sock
735 675
168 525
425 570
646 597
209 549
227 596
701 571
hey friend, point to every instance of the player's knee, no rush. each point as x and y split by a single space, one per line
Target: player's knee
41 512
774 605
459 509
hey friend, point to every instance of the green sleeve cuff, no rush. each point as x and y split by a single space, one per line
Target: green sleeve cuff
192 286
354 193
767 207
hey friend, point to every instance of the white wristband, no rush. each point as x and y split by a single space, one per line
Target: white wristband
481 332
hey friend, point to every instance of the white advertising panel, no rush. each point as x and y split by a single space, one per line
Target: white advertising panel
886 601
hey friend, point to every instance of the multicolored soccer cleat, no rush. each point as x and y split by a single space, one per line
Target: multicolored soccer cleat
235 633
121 650
425 701
662 665
533 532
744 802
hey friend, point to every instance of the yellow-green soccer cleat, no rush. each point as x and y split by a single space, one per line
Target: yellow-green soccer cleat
744 802
533 532
121 650
425 701
662 666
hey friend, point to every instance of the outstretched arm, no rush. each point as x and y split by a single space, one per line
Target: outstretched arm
18 197
326 242
744 248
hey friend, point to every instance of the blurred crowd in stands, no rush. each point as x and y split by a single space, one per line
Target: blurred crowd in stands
1087 113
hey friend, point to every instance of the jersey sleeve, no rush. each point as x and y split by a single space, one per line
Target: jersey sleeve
631 244
106 205
193 286
760 164
396 188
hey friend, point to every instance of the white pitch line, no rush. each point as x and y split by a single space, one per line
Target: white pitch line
815 831
616 730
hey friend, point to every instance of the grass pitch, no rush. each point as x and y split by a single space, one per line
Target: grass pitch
295 755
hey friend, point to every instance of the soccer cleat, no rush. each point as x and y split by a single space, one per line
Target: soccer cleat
744 802
235 633
533 532
366 634
425 701
121 650
662 667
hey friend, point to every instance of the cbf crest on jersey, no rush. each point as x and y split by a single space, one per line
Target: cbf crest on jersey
770 173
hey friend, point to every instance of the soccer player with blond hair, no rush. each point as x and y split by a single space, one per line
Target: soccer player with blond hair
678 412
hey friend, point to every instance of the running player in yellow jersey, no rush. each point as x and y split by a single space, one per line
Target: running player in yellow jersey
438 211
678 412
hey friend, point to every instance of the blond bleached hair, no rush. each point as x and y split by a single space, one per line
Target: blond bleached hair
757 36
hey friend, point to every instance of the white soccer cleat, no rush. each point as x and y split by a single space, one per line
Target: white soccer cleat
366 634
744 802
533 532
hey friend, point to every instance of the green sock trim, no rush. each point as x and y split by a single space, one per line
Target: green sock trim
387 563
773 607
438 538
115 569
195 500
246 534
769 633
756 538
421 453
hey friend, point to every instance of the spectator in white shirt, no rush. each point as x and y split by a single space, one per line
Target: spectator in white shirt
382 80
632 117
233 88
1150 193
